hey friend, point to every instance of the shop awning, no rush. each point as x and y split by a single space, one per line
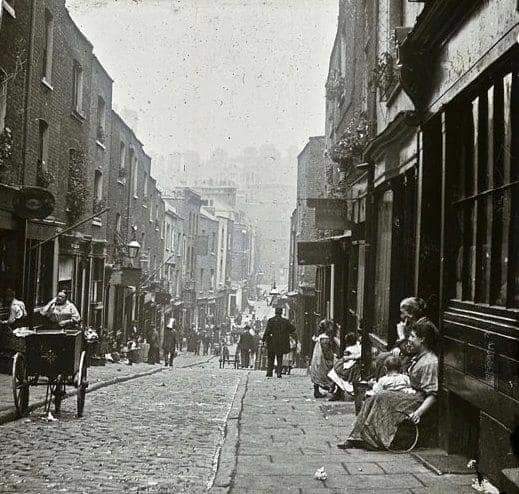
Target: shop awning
323 251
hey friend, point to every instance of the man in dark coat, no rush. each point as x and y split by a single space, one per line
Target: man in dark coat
277 339
245 345
170 343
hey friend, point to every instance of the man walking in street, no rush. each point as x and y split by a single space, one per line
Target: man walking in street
277 338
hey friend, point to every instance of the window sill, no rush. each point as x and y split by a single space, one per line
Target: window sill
78 116
9 9
145 206
100 144
97 222
121 182
135 196
47 84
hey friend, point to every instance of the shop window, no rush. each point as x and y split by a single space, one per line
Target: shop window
486 202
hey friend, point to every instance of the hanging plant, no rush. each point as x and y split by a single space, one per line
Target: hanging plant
353 141
6 149
77 194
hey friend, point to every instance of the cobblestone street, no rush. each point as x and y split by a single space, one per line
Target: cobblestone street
158 433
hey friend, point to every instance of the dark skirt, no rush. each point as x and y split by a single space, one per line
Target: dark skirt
380 415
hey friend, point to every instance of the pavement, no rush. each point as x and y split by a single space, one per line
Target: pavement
278 435
197 427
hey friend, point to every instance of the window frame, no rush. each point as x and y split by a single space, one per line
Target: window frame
48 52
78 83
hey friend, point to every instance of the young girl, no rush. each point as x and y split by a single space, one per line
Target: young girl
347 369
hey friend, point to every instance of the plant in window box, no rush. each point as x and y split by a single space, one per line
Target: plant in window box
6 149
383 75
77 194
44 177
99 205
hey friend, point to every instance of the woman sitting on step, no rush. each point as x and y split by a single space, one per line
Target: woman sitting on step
380 415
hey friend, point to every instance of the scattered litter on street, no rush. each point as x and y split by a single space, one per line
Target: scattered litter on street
321 474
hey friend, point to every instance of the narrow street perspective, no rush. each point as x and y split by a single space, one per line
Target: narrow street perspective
259 246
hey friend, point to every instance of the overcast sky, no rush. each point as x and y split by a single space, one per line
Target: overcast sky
202 74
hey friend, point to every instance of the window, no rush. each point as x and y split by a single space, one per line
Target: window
134 172
43 144
3 99
101 111
98 185
122 156
118 223
145 185
486 200
78 88
49 47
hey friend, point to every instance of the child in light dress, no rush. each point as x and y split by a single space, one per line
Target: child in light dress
394 380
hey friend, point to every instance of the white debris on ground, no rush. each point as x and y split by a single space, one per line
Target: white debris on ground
484 486
320 474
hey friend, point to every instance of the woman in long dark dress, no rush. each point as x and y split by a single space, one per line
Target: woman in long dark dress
380 415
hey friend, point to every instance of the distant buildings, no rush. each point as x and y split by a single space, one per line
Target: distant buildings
98 226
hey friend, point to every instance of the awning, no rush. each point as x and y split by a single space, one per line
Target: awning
321 252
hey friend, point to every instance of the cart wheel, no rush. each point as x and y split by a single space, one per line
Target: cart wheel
59 393
82 384
20 385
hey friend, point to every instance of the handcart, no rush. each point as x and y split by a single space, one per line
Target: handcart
55 358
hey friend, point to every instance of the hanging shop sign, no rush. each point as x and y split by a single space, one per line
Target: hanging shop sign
330 214
126 276
34 203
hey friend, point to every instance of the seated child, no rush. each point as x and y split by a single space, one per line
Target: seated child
394 380
352 351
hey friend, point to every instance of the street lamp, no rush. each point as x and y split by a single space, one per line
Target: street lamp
133 249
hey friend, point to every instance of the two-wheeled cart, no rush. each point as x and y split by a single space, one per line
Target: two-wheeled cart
55 358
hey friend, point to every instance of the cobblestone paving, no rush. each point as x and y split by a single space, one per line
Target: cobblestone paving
153 434
95 375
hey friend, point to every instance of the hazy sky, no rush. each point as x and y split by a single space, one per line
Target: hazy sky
202 74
